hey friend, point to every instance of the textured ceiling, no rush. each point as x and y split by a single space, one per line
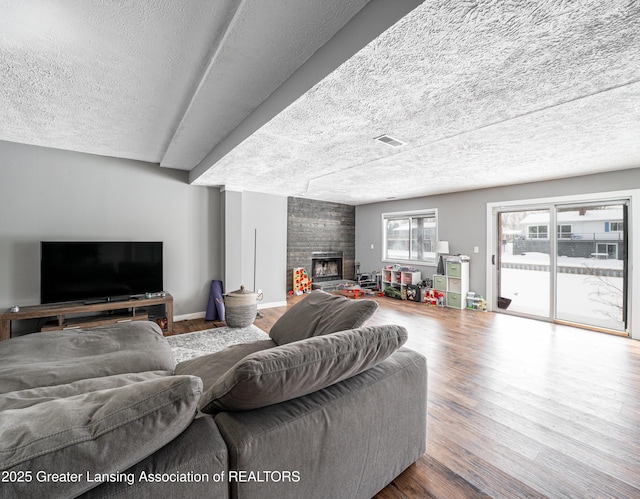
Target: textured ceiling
483 92
160 81
106 78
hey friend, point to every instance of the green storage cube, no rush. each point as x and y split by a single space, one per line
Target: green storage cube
454 269
454 300
440 282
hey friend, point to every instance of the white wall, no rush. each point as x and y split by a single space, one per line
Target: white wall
232 240
49 194
256 236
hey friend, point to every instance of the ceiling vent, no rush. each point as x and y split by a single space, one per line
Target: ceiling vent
390 141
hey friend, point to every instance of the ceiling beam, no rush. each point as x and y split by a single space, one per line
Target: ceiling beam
375 18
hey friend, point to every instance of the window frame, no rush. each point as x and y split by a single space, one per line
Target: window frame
564 235
618 224
537 236
606 249
409 216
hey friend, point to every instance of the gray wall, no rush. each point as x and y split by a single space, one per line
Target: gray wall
462 216
49 194
256 232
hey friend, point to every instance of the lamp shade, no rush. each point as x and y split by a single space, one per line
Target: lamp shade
442 247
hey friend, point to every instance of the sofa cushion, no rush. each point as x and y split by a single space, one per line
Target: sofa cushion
47 359
321 313
21 399
96 432
211 367
289 371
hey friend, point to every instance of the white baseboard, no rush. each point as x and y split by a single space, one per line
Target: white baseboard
200 315
188 317
272 304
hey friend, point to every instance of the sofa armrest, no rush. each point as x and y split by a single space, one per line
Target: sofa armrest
199 453
348 440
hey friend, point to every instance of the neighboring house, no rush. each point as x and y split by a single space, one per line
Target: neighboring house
581 233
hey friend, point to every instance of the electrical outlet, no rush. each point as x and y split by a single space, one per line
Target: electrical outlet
259 292
476 249
371 245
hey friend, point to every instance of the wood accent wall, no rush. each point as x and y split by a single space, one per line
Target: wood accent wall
319 226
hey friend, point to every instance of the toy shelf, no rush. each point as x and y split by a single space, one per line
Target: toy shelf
400 279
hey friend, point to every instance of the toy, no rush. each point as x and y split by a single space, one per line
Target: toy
301 281
476 302
471 299
482 304
413 293
433 298
392 292
350 290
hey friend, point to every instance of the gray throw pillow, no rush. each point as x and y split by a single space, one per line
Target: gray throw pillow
210 368
289 371
83 434
321 313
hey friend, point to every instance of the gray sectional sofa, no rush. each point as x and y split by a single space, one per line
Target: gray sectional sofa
326 407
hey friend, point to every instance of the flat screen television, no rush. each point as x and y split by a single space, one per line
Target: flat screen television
98 271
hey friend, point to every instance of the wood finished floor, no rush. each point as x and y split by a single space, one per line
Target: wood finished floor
516 407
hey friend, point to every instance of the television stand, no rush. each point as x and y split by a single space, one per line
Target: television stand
59 311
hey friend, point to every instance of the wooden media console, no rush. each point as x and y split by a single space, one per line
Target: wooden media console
127 310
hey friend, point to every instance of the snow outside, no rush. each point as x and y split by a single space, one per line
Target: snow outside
583 298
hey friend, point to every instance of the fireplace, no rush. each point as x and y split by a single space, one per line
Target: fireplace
326 266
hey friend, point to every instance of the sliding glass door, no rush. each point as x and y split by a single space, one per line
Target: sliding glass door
524 280
564 262
591 265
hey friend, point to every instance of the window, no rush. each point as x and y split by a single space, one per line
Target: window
564 231
538 232
410 237
615 226
607 250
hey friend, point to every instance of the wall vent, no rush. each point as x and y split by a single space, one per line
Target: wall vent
390 141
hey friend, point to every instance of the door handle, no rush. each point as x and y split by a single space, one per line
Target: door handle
493 259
